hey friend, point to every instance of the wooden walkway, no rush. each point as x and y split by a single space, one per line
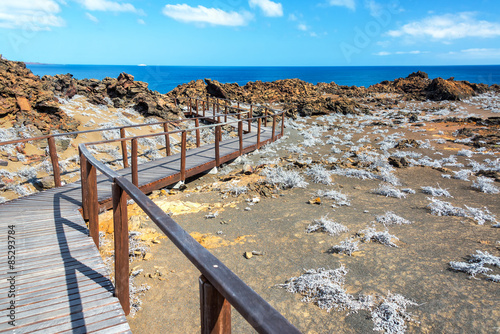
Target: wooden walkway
57 280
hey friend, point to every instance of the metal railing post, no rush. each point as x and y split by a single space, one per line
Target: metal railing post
120 222
55 161
124 148
135 167
183 156
215 310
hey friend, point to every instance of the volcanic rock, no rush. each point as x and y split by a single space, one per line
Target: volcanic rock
441 89
25 97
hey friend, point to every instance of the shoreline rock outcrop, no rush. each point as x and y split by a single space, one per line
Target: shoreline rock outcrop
34 101
121 92
27 102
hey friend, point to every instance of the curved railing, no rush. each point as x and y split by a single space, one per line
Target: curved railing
220 288
190 103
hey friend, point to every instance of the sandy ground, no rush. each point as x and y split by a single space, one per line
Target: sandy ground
419 269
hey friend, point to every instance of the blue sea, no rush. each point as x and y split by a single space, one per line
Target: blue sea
165 78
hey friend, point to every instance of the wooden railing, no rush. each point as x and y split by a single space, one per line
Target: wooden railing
219 287
217 104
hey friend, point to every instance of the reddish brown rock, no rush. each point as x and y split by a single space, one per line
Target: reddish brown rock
24 96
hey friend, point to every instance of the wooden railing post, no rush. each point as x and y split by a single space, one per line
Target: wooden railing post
167 138
259 126
265 117
135 171
283 124
183 155
215 310
93 203
120 222
213 112
124 148
85 185
274 128
217 140
197 125
55 161
190 110
225 112
249 122
240 135
203 104
197 110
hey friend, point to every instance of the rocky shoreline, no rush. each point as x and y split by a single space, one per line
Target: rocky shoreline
32 100
381 183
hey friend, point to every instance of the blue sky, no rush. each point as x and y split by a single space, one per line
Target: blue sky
251 32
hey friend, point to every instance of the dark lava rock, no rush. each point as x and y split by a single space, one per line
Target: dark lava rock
398 162
405 143
441 89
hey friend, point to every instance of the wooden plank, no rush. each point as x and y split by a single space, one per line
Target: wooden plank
56 300
111 316
63 309
45 324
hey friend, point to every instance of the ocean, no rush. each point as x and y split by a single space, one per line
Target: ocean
165 78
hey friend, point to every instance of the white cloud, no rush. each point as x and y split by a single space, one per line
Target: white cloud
92 17
414 52
374 7
292 17
302 27
270 8
200 14
108 6
481 52
141 21
386 53
449 27
32 15
344 3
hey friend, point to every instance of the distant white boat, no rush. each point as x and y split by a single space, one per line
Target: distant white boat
142 65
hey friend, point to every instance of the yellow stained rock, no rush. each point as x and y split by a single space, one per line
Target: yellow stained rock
208 240
317 200
180 207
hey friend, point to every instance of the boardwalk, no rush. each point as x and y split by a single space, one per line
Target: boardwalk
58 278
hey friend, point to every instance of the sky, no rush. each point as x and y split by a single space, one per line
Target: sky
251 32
